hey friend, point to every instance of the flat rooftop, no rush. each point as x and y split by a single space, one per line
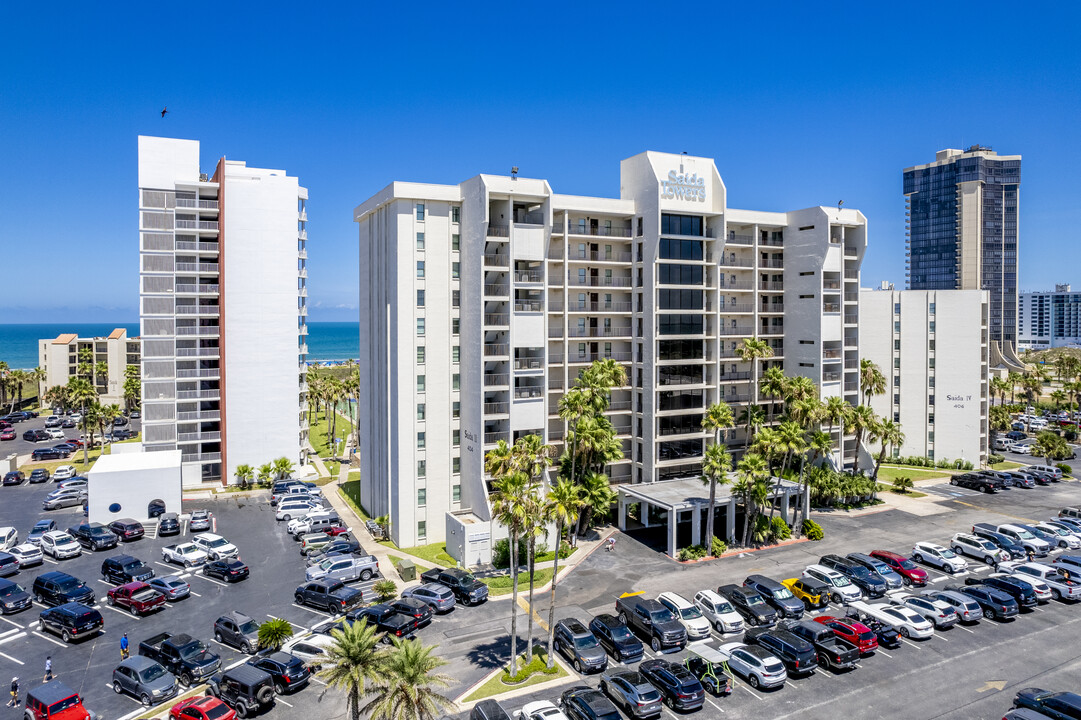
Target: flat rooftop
124 462
688 493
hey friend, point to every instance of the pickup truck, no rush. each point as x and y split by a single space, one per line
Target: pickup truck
138 597
344 568
466 588
182 655
331 596
833 652
1059 579
186 554
652 621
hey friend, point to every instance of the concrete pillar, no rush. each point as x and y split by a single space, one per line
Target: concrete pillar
730 520
784 504
673 522
696 526
622 513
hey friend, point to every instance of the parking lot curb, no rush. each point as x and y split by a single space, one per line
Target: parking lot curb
515 692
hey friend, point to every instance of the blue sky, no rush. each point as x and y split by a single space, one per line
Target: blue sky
801 104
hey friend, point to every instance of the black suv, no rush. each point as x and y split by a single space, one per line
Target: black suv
127 529
169 524
122 569
388 622
749 604
93 536
616 638
13 598
1005 542
866 580
15 477
1019 590
973 481
39 475
797 654
71 621
244 688
777 595
580 646
680 689
420 611
37 435
56 588
238 630
994 603
585 703
288 671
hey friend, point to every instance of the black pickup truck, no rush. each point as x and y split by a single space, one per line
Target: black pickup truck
466 588
833 652
182 655
331 596
652 621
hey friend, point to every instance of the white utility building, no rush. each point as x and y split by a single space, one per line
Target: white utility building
932 346
481 302
128 482
223 293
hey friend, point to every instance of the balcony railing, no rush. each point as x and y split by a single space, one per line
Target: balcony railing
588 357
197 288
205 373
852 274
496 379
555 332
831 377
197 224
496 349
598 231
773 308
771 286
681 380
744 330
735 262
496 260
852 386
201 457
737 398
199 415
528 306
498 408
735 308
528 276
496 318
832 354
851 319
598 256
197 352
599 332
495 230
852 297
492 289
528 393
528 363
771 330
555 382
197 309
200 246
737 286
197 267
198 436
777 264
197 394
831 307
206 331
491 438
734 239
831 285
579 306
201 204
734 377
595 281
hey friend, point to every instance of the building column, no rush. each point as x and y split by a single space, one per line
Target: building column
643 510
673 522
696 526
730 520
784 504
622 525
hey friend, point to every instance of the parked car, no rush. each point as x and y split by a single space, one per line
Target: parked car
678 687
1005 543
972 481
466 588
1023 593
579 646
329 595
13 598
138 597
813 593
749 604
388 622
93 536
941 557
796 653
244 688
200 520
996 605
144 679
71 621
173 587
438 597
910 574
58 545
201 707
345 568
851 631
869 582
776 595
55 701
1057 705
631 691
38 531
9 538
342 547
842 590
64 498
310 648
719 612
300 507
908 622
938 612
755 664
833 653
39 475
1024 538
967 609
979 548
127 529
313 542
186 554
120 569
15 477
585 703
288 672
616 638
181 654
238 630
230 570
688 614
168 524
886 634
652 621
27 554
1056 535
215 546
416 609
7 434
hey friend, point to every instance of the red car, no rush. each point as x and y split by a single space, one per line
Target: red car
138 597
854 632
8 434
201 708
336 531
910 574
73 441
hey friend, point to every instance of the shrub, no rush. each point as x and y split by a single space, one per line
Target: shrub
813 530
1070 435
694 552
720 547
274 633
565 550
902 484
995 459
501 554
385 589
779 529
1066 469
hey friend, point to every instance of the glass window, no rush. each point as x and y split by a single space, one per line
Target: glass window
457 437
420 326
420 298
421 411
455 214
420 383
457 381
897 326
455 269
455 326
422 530
420 268
420 241
455 465
931 326
420 440
456 354
422 469
456 409
456 493
420 355
456 298
931 309
420 211
455 242
422 497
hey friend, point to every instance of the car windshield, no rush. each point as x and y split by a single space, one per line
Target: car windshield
723 606
907 564
217 543
755 600
192 649
42 526
782 594
690 613
59 707
620 632
172 583
10 590
773 666
662 615
152 673
69 583
840 581
133 565
1025 534
325 565
946 553
866 635
1056 531
249 627
217 711
586 642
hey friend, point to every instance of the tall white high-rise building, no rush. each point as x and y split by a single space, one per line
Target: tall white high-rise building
481 302
1048 319
222 310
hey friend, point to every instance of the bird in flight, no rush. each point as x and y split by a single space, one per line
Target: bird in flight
164 110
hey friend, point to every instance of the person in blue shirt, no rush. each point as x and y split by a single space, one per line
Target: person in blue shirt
124 647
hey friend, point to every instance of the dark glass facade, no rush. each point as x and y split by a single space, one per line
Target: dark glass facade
935 239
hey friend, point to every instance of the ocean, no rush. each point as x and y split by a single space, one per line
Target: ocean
327 341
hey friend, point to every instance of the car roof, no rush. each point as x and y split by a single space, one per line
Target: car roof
247 674
138 662
575 626
676 599
237 617
51 692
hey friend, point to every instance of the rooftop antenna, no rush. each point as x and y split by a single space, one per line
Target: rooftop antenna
681 156
514 172
840 203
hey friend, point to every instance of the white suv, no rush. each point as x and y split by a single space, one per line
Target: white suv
938 556
979 548
841 588
294 508
688 614
719 612
215 546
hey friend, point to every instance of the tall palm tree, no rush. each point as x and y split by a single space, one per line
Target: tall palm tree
1014 379
719 419
751 350
752 417
1059 398
773 385
80 394
819 444
106 415
101 374
597 493
888 433
751 473
561 506
860 419
353 661
509 508
715 468
872 381
4 370
85 368
573 406
410 684
56 396
790 442
533 527
133 387
16 379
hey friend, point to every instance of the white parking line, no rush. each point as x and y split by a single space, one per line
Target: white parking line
313 610
43 637
752 692
279 700
962 627
195 593
880 650
122 612
12 659
7 632
209 579
715 705
938 636
11 622
13 637
301 627
909 642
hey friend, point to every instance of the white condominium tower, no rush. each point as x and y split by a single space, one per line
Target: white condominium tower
481 302
223 293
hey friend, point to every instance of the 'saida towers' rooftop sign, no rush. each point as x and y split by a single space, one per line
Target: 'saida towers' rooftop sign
683 187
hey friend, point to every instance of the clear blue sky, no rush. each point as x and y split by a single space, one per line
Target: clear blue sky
801 104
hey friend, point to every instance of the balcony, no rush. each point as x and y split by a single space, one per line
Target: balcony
735 262
734 239
197 309
599 256
200 204
852 319
196 224
302 349
591 307
491 438
852 386
852 297
201 457
199 246
199 436
555 332
197 352
771 330
621 406
775 308
198 394
497 408
496 290
598 332
735 308
595 281
195 289
528 276
529 363
203 373
736 286
734 377
199 415
528 393
832 354
588 357
771 286
528 306
831 284
852 274
197 267
496 260
740 330
831 377
776 264
593 231
665 380
496 379
496 318
496 349
555 382
501 231
203 331
831 307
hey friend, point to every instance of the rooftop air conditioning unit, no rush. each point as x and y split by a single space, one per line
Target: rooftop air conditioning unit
203 177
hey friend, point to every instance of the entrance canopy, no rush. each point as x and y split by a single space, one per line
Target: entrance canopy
687 499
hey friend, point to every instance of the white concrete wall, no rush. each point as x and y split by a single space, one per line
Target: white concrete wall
163 162
133 488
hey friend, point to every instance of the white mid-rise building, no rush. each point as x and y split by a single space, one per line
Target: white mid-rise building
1049 319
932 347
59 357
481 302
222 310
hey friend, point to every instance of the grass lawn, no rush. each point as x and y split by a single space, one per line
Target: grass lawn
1006 466
350 492
886 473
434 553
537 674
502 585
910 493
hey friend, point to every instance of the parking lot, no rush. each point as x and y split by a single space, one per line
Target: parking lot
24 447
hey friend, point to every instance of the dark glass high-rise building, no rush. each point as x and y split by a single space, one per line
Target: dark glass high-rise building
962 232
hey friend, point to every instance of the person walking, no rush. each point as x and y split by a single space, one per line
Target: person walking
48 668
14 701
124 647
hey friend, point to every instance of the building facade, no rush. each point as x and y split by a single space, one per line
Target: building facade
933 348
59 357
963 234
481 302
1049 319
222 311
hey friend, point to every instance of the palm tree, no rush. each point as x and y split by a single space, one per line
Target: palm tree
283 467
752 417
532 528
101 373
751 473
81 393
561 506
266 473
532 457
85 368
773 384
409 688
1014 379
245 473
353 661
17 378
56 396
1059 398
872 381
4 370
819 444
274 633
860 419
751 350
597 493
106 415
133 387
718 418
889 433
715 468
509 508
790 441
1051 446
573 406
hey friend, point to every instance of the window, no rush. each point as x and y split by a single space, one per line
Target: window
420 355
896 344
896 399
931 326
897 326
897 308
420 440
456 382
931 419
931 381
422 497
455 298
420 211
456 409
931 363
420 383
457 437
802 364
806 297
420 241
422 530
455 214
931 309
806 342
897 362
455 326
421 411
422 468
455 465
420 326
807 272
420 268
930 399
420 298
455 269
456 354
456 493
930 436
897 381
930 344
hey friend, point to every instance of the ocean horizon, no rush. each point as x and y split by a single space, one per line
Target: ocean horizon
327 341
